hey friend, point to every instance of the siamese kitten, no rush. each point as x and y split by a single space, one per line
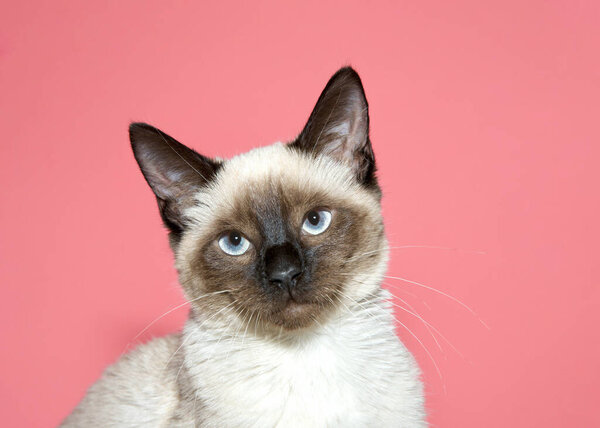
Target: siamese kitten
281 253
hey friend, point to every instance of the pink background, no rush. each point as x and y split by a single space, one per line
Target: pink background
485 123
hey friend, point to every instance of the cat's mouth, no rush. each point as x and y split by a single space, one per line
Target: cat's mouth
297 307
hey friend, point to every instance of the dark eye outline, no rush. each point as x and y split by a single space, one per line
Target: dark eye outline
325 221
227 246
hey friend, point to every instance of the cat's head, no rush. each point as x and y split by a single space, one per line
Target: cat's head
289 233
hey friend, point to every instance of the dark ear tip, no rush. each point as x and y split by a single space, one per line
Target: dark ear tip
347 79
347 73
347 70
138 129
142 136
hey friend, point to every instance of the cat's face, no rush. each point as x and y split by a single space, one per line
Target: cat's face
284 235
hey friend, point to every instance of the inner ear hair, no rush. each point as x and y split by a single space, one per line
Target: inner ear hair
173 171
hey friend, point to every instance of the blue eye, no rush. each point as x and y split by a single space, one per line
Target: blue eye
316 222
234 244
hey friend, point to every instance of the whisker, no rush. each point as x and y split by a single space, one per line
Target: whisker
389 285
174 309
416 314
428 353
235 335
412 334
200 326
413 295
400 247
314 318
443 294
176 351
342 303
438 247
247 325
428 325
256 321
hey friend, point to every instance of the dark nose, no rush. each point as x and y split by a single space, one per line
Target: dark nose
283 265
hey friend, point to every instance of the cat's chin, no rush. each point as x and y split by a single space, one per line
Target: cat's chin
296 310
295 315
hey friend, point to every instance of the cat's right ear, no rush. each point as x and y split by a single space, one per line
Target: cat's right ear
174 172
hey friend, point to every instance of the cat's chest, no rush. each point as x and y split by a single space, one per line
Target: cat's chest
321 383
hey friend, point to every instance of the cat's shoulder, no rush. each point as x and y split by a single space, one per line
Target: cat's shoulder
139 386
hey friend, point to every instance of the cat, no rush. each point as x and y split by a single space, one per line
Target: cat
281 254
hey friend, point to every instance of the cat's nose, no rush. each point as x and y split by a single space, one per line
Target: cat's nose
283 265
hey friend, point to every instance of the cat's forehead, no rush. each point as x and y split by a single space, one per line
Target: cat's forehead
280 163
274 173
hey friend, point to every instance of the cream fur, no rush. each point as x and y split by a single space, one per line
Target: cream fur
351 371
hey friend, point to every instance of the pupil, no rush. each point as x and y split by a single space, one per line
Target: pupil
313 218
235 238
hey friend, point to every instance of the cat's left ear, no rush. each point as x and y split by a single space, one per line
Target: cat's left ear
339 126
